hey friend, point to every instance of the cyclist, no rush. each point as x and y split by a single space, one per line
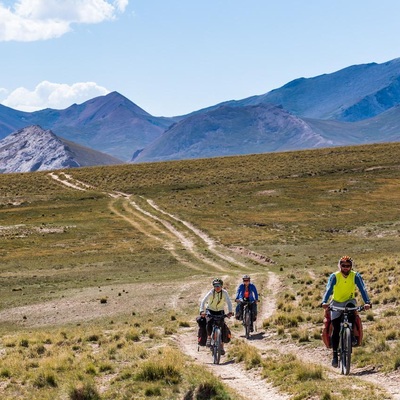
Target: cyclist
215 301
341 285
246 291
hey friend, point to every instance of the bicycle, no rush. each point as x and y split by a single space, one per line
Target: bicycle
345 337
247 317
216 336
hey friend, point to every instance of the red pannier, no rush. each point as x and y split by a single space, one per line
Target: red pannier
327 329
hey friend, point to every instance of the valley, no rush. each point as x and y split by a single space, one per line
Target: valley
103 269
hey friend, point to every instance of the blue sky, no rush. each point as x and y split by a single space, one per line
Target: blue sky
171 57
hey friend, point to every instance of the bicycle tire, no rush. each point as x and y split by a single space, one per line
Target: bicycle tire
346 351
217 346
247 322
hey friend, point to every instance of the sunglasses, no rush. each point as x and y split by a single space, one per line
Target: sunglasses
345 266
246 280
217 286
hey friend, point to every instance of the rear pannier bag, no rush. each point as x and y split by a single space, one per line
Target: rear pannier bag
202 331
226 334
327 329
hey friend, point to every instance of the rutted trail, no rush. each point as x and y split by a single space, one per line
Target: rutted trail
171 233
247 383
210 242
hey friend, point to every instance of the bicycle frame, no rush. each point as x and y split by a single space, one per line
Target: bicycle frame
247 317
216 336
345 337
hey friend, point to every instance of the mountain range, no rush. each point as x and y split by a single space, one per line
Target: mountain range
356 105
34 149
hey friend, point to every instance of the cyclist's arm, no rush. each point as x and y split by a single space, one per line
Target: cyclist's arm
329 288
228 301
204 300
255 293
239 292
361 286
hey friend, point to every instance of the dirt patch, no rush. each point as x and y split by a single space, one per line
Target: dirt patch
253 255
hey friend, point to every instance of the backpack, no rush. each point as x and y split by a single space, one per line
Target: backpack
202 331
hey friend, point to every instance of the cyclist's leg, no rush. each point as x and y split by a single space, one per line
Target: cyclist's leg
335 340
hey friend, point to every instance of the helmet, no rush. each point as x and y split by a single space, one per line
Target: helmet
217 281
345 259
246 277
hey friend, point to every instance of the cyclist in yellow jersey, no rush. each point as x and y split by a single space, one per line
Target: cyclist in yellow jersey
342 286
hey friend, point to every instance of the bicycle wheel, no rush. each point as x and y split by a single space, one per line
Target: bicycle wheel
247 322
217 346
346 351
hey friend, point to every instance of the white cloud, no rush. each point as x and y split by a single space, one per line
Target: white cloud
30 20
3 94
121 4
53 95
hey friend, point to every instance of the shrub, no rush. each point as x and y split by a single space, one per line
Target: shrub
86 391
152 371
153 391
93 338
5 373
391 335
309 374
43 380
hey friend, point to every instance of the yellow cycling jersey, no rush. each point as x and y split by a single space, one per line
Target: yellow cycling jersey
345 287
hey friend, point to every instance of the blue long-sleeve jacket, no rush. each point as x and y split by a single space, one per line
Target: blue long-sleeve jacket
253 294
358 282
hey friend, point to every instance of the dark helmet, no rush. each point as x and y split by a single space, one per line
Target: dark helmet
217 281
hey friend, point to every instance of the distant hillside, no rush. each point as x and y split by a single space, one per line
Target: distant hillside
352 94
233 131
111 124
34 149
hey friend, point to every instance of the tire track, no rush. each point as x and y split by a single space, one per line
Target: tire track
148 227
211 244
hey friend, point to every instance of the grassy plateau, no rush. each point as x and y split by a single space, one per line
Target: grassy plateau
102 270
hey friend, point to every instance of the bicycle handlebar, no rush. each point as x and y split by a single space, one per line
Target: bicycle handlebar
336 308
218 316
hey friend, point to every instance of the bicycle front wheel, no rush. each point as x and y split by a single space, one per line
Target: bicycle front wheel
247 322
346 346
217 346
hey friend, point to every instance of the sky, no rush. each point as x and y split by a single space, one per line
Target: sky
172 57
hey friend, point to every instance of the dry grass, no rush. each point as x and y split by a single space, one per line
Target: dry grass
70 253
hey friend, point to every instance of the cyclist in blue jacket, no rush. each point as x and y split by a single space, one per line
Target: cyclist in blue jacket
246 291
